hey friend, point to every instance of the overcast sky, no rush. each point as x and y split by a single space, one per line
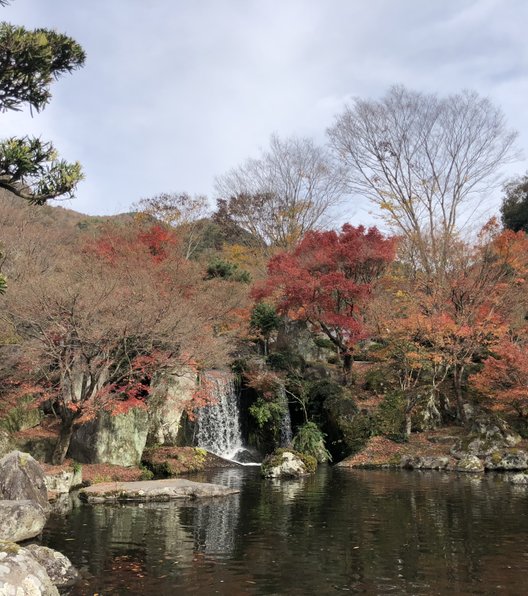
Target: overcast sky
176 92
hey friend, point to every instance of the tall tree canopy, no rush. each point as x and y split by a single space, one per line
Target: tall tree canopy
328 279
289 190
422 159
514 208
29 62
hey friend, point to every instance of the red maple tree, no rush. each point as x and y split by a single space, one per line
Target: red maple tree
328 279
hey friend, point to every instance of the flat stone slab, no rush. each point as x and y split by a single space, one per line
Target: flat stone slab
153 490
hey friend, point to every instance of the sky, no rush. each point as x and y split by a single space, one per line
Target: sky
176 92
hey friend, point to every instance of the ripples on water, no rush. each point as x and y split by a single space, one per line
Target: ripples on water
369 532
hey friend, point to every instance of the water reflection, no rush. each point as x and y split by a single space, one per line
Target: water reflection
360 531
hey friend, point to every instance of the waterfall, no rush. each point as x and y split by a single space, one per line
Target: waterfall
218 425
286 434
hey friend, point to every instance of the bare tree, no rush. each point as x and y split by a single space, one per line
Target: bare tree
290 189
179 210
89 317
423 159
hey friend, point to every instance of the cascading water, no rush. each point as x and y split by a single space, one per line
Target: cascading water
218 426
286 434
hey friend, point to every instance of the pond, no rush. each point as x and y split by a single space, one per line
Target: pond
359 531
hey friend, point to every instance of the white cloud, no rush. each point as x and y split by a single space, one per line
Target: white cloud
176 92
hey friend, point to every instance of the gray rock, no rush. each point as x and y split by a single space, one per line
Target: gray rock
59 482
21 520
469 463
170 396
518 479
488 434
40 447
111 439
507 460
58 567
22 575
152 490
418 462
6 443
22 478
285 463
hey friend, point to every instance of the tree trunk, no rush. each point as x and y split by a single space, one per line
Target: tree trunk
408 423
63 443
347 367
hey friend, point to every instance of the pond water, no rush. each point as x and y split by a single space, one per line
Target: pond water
369 532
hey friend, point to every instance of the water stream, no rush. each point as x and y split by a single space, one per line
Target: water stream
218 425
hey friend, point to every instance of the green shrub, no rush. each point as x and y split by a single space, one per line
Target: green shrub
146 474
267 412
376 380
320 391
310 441
390 417
25 415
227 270
324 343
264 318
358 430
287 361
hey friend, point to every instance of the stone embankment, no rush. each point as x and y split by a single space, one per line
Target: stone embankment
24 509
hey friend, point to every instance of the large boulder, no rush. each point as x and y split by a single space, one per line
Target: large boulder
22 575
287 463
488 434
58 567
22 478
117 439
509 460
171 394
469 463
21 520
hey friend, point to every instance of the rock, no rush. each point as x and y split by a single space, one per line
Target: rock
62 504
469 463
246 456
59 482
117 439
418 462
518 478
41 447
152 490
295 337
6 443
58 567
167 462
22 478
492 427
507 460
22 575
21 520
170 396
488 434
442 439
286 463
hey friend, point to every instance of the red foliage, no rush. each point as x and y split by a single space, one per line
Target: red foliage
328 279
114 245
504 377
